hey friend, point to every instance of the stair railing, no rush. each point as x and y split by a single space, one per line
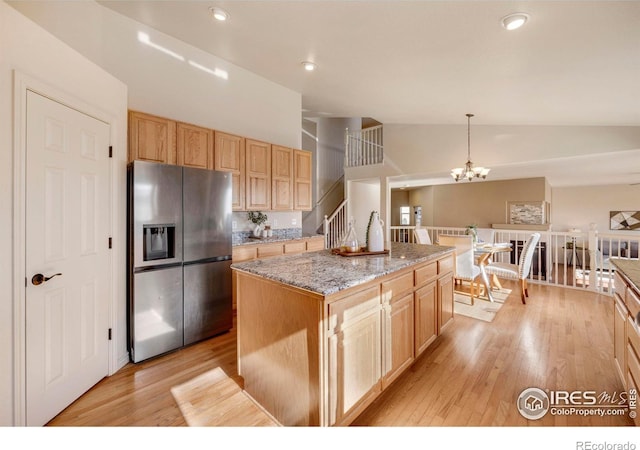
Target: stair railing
335 226
363 147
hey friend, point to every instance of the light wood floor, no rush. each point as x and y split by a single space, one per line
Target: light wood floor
470 376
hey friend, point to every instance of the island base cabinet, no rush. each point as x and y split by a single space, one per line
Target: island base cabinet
399 321
426 318
354 369
445 292
279 348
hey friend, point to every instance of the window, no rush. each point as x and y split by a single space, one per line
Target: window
405 215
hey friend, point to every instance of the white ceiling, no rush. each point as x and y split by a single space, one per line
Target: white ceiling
430 62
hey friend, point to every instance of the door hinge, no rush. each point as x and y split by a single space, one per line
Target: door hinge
109 333
110 151
110 242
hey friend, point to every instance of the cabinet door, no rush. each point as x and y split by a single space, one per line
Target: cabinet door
258 175
620 337
426 318
281 178
229 156
151 138
355 366
400 340
194 147
315 244
445 297
302 181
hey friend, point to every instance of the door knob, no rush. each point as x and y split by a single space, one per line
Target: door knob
39 278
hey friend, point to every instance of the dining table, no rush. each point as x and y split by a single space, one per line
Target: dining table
483 252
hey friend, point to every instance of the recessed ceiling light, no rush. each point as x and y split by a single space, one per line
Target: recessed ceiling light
308 66
219 14
514 21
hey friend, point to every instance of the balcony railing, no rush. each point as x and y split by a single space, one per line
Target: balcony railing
566 259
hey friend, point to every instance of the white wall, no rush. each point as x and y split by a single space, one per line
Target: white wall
245 104
577 207
29 49
331 146
364 197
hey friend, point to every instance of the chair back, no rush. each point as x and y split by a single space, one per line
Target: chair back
464 253
422 236
486 235
526 257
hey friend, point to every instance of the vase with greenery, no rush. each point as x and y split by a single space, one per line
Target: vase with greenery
473 231
257 218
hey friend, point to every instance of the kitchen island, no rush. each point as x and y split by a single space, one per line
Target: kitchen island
320 336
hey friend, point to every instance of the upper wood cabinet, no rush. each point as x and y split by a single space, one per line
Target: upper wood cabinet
281 178
258 175
194 146
302 180
151 138
230 157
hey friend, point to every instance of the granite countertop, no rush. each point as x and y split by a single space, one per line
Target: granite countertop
268 240
630 268
325 273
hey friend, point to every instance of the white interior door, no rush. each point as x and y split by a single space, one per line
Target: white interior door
68 214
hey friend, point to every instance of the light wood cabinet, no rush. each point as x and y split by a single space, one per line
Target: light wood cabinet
445 301
229 156
295 247
302 181
266 250
315 244
426 322
354 354
151 138
364 339
194 146
258 175
620 337
281 178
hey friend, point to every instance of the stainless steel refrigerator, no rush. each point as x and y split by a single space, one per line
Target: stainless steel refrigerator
179 238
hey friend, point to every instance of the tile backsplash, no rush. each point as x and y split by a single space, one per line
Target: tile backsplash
278 220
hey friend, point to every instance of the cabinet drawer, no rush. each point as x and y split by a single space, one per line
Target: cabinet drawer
426 273
353 308
295 247
315 244
445 265
397 286
239 254
633 303
269 250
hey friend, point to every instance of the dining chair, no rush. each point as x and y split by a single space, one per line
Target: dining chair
421 236
465 269
518 271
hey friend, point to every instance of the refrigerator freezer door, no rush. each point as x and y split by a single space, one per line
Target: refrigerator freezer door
207 214
207 300
156 313
156 191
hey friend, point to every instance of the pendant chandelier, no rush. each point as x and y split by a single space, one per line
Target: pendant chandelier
468 171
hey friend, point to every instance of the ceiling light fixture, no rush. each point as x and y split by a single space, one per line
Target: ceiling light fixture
308 66
514 21
468 171
219 14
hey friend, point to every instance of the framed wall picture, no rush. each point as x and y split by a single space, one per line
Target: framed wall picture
528 212
624 220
